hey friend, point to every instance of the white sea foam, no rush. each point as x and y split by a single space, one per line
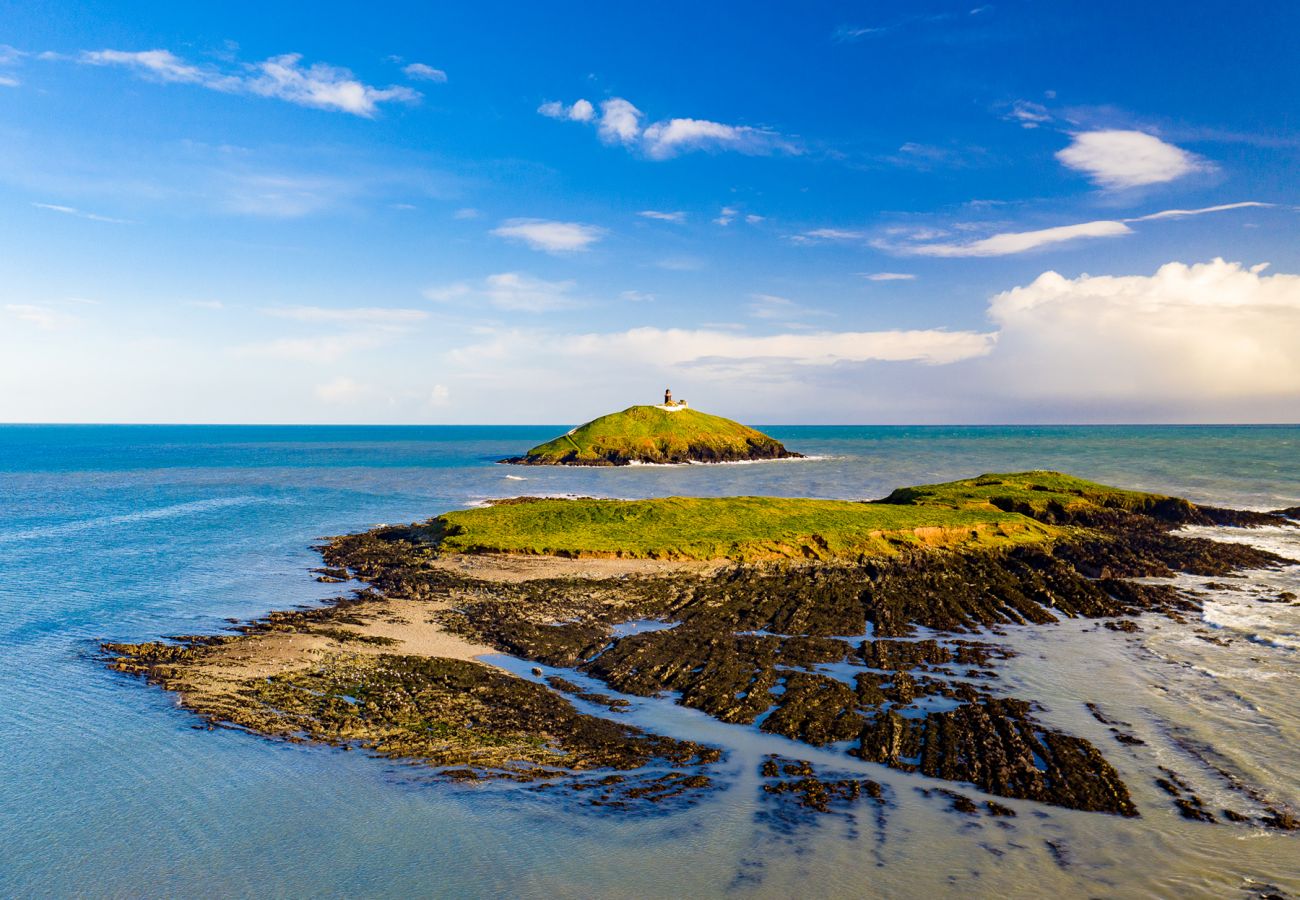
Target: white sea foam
732 462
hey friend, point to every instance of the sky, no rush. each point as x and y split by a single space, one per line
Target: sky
869 212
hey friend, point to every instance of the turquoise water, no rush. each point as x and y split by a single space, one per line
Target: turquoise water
128 533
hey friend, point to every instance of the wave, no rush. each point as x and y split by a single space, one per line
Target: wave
733 462
165 512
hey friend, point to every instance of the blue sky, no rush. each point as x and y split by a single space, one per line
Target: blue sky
860 212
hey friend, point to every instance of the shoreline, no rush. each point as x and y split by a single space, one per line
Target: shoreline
750 645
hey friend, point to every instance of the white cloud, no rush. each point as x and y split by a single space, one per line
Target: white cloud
466 213
753 219
317 349
1187 334
829 234
1183 213
9 81
282 77
1009 243
1116 159
552 237
637 297
1028 114
726 216
620 122
511 291
1019 241
677 217
659 348
366 315
890 276
341 390
580 111
440 395
663 140
421 72
81 214
41 316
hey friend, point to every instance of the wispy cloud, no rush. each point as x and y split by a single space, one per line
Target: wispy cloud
1115 159
829 234
711 349
356 315
621 123
1012 242
510 291
81 214
422 72
549 236
677 217
889 276
283 77
43 317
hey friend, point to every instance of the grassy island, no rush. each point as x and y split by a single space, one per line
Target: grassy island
492 643
671 433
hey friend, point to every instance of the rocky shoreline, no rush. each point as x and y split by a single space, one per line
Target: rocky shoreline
871 657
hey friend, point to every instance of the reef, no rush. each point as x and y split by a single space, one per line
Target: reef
825 652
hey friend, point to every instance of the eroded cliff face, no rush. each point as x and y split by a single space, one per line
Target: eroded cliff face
825 653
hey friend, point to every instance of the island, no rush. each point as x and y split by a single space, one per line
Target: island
511 643
670 433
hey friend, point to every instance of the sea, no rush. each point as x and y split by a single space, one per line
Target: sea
128 533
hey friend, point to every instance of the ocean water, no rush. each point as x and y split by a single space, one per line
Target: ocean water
107 788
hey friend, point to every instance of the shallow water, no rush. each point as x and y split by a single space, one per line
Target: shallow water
127 533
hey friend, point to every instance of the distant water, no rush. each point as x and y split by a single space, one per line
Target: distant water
128 533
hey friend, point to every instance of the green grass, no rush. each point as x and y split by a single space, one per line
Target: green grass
986 512
736 528
651 434
1027 492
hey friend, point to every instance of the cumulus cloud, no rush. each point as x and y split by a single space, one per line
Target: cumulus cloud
549 236
620 122
283 77
579 111
1115 159
510 291
422 72
1186 334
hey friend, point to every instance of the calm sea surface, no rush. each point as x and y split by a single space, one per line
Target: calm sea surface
129 533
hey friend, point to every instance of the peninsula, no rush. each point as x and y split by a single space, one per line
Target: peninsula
511 642
669 433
